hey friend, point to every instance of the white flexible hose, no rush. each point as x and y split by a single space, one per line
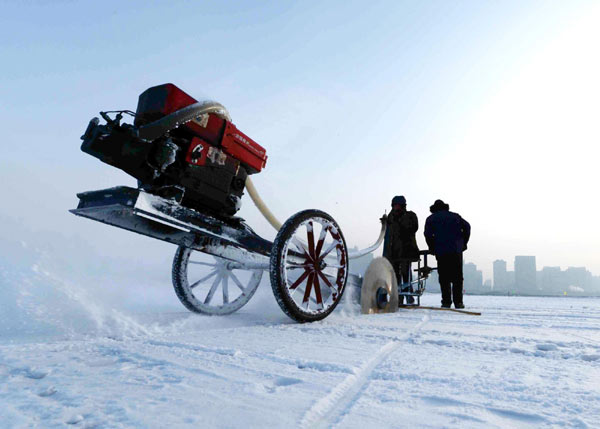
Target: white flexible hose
270 217
155 129
261 206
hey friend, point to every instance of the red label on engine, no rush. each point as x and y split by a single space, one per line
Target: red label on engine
243 148
197 152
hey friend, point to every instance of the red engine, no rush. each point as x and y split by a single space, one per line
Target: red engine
210 130
177 151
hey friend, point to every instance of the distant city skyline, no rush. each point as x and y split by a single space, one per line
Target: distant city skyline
526 279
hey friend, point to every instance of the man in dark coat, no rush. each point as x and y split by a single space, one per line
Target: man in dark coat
447 235
400 246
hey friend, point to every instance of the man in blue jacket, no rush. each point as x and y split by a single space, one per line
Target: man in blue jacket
447 235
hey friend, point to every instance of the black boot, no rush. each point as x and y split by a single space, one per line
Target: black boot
410 299
446 294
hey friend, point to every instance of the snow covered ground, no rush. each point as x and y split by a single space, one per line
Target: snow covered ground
69 357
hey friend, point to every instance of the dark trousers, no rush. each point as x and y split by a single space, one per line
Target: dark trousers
450 272
402 270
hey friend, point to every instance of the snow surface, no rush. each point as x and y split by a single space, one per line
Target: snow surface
72 357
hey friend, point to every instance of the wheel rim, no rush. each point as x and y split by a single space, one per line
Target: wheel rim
314 265
214 285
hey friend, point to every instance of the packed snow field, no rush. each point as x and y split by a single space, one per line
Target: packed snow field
69 357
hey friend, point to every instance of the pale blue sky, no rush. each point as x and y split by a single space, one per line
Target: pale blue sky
491 106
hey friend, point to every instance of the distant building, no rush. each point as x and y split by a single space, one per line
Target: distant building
510 275
473 278
525 275
579 280
501 283
551 281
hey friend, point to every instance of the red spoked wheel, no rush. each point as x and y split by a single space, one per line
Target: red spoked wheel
309 266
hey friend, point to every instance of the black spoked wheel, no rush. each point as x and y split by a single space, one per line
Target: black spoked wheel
212 285
309 266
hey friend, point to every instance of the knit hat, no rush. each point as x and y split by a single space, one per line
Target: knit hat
399 199
438 206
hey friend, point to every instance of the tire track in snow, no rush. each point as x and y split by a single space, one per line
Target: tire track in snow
327 410
584 337
258 356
